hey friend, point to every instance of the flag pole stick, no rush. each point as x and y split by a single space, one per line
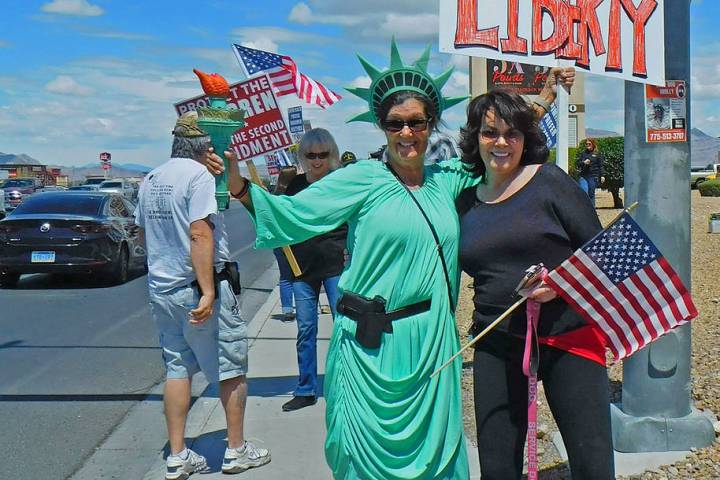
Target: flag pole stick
481 334
286 250
628 209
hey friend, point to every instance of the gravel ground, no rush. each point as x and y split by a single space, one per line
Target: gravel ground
701 464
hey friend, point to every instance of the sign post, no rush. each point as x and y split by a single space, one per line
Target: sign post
656 413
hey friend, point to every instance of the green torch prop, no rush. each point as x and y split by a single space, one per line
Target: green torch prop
220 122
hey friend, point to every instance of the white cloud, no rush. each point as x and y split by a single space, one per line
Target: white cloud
418 27
79 8
302 14
66 85
361 81
275 36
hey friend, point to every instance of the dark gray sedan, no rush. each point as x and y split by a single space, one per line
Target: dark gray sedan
70 232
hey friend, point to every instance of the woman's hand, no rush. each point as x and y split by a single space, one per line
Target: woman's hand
214 163
540 293
566 77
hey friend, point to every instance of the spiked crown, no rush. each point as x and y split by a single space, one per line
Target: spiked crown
400 77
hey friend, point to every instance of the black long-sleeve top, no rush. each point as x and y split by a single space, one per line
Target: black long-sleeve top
596 168
323 256
545 221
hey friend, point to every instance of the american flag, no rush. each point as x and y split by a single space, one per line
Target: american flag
284 75
621 282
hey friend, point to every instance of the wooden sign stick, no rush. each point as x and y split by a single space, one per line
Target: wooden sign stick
481 334
255 178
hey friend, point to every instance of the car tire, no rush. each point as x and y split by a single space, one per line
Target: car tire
698 182
121 268
9 280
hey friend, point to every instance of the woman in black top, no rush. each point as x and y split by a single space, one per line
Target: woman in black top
321 260
590 165
524 212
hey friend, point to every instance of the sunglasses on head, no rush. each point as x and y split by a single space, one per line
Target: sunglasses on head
417 125
320 155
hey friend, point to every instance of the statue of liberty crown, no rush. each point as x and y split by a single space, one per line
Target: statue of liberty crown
402 77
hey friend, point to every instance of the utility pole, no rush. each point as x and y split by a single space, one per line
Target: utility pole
656 413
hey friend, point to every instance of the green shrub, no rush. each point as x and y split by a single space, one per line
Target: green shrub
572 154
710 188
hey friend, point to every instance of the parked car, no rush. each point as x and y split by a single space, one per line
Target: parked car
53 188
16 189
700 174
93 183
119 186
70 232
85 188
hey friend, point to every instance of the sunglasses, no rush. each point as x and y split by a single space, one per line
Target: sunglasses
395 126
313 155
510 136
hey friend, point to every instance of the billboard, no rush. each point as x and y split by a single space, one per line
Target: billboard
264 131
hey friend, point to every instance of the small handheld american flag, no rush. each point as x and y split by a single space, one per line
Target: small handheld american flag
284 75
620 281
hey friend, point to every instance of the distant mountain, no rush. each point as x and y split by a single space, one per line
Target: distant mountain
704 148
79 174
21 159
134 167
598 133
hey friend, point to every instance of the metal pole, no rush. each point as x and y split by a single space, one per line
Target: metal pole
656 413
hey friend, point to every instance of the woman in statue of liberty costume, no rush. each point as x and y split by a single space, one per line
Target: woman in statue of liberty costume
386 418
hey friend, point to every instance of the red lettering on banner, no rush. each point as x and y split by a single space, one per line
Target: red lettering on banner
514 43
566 20
639 17
589 30
467 33
571 49
552 8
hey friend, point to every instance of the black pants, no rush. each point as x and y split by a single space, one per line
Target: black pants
577 393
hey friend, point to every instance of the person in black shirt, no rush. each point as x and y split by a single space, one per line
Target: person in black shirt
524 212
321 260
590 165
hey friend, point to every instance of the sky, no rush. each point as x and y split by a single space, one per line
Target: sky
80 77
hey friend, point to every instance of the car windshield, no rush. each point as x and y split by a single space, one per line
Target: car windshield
18 184
111 185
69 203
94 181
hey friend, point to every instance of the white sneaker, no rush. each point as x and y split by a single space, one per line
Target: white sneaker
179 469
248 456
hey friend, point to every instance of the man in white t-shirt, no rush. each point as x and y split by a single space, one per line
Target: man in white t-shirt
193 298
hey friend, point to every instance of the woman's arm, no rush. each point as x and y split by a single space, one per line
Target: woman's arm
547 96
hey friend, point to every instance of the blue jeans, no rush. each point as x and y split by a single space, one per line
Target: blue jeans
286 288
589 184
306 306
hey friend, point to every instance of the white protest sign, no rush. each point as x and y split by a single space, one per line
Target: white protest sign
617 38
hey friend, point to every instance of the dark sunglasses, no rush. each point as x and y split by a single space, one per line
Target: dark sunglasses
395 126
313 155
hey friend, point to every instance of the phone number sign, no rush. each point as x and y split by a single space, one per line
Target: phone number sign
666 112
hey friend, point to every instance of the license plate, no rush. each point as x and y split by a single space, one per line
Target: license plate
42 257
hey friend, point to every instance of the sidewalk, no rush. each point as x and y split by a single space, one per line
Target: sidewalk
296 439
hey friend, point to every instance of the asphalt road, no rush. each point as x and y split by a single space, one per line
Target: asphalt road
74 358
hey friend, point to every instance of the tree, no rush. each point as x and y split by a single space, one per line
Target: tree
613 150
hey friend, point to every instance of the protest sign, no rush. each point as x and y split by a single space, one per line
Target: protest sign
264 131
295 119
606 37
666 112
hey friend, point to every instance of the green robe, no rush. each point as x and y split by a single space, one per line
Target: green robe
386 419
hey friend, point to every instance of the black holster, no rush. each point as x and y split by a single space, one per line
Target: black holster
230 273
372 318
